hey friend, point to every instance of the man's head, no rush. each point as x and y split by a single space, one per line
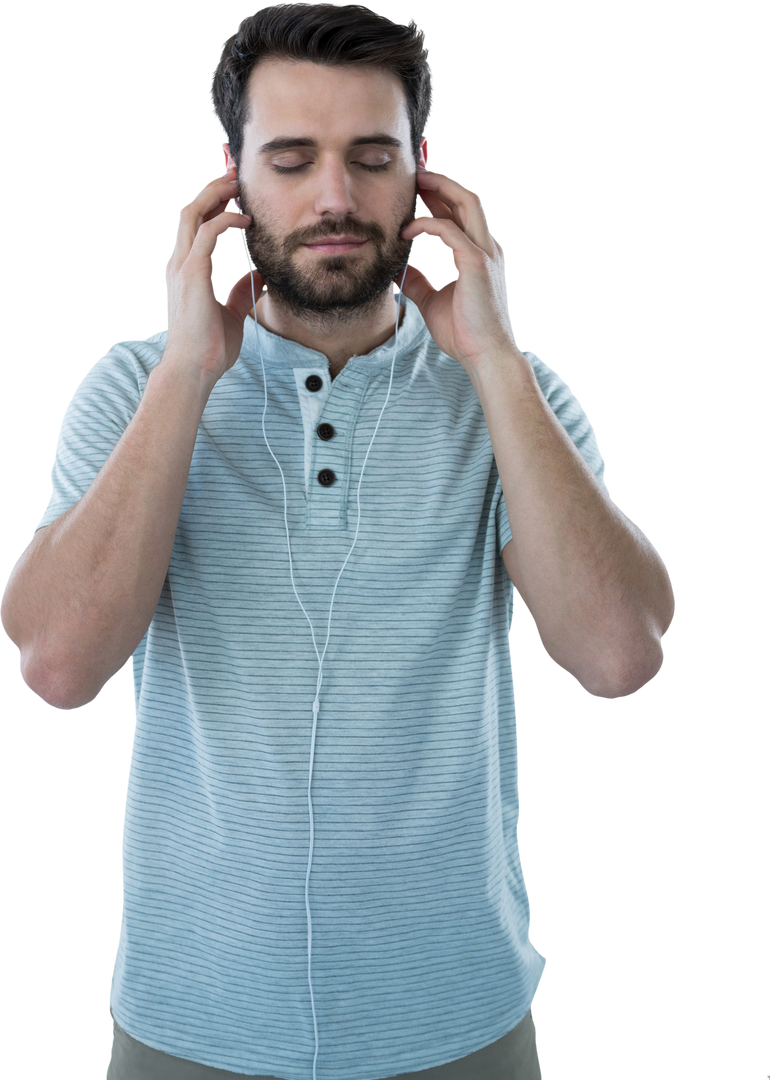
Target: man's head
322 78
330 191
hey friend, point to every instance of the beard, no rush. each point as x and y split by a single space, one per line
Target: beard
327 292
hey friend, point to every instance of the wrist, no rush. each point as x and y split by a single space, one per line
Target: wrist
183 378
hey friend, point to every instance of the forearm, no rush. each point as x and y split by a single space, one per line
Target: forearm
597 589
81 597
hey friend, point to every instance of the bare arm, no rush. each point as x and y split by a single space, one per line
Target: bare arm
82 595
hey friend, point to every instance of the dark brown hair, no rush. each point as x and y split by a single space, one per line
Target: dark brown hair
323 34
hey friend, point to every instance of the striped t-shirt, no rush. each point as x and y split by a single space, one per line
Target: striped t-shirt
418 910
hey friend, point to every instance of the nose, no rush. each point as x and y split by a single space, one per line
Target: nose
335 191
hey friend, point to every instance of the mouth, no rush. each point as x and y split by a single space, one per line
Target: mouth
336 245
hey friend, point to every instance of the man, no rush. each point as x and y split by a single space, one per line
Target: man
306 526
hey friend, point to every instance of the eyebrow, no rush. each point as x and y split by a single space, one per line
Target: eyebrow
288 143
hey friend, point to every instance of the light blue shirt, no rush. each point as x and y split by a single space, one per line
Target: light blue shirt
420 917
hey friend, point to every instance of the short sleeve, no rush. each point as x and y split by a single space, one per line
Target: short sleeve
576 420
97 416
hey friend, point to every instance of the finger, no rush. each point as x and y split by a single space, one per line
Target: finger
417 287
444 229
465 206
211 232
205 243
433 204
207 204
239 297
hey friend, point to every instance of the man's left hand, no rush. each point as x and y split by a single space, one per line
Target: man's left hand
468 319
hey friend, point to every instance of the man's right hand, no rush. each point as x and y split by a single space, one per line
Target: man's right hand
205 336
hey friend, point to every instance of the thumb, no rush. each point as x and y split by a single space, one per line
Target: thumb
417 284
240 300
407 280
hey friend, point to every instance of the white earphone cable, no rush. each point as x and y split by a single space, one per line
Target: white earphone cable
316 703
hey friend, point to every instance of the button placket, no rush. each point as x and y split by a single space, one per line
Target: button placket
330 469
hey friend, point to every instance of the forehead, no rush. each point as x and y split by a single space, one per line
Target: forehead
302 98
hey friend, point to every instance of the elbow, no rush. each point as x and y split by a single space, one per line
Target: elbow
620 673
58 685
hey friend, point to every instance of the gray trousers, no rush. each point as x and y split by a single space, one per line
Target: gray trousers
514 1057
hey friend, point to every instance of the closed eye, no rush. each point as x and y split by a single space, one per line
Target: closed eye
296 168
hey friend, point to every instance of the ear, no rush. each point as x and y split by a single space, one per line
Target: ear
424 152
227 158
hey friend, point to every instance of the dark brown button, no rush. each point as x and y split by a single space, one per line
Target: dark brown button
314 383
326 477
325 431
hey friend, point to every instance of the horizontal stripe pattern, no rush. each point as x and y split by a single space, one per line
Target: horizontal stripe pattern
420 917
